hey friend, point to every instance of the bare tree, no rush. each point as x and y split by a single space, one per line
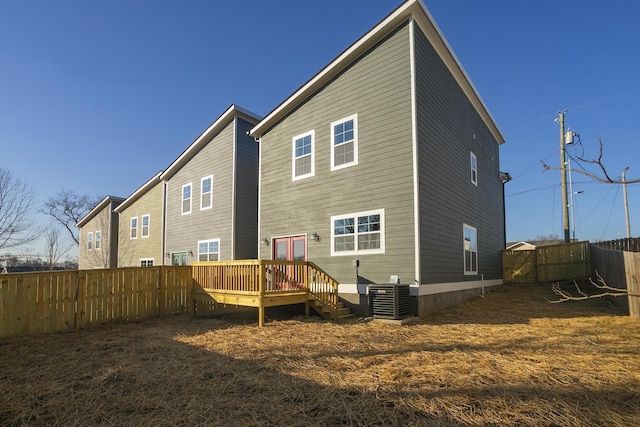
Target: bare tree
55 247
16 207
67 208
606 178
580 295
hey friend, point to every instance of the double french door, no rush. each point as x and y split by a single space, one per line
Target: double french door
288 276
292 248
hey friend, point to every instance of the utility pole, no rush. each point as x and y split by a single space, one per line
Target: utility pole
626 205
563 170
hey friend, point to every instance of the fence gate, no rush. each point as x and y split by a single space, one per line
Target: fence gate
567 261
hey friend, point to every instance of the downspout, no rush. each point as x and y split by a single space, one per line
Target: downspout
414 142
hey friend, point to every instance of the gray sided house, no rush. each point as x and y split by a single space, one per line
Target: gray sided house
99 235
211 194
386 163
140 241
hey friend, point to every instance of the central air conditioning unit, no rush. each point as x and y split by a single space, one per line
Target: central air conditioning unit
389 301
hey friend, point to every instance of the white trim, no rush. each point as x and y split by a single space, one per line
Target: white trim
259 240
147 259
208 241
142 236
131 228
441 288
312 134
210 192
414 143
234 165
355 215
182 199
432 288
464 250
165 189
473 165
353 117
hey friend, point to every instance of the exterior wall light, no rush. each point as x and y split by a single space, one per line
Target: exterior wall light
314 236
265 242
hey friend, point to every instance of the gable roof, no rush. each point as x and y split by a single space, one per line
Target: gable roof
407 10
138 193
206 136
98 208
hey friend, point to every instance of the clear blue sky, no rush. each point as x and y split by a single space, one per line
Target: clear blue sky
99 96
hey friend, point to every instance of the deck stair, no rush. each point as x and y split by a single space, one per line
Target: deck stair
268 283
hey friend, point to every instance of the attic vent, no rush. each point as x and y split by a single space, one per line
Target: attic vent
389 301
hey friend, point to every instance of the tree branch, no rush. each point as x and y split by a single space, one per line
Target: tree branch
607 291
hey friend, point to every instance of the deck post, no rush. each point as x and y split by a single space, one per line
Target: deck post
261 280
261 315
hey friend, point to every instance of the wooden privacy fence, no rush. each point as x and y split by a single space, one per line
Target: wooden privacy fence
54 301
631 244
620 269
554 263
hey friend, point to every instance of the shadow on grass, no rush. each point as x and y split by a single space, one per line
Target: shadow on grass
146 373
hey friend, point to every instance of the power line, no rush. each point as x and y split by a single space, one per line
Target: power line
610 213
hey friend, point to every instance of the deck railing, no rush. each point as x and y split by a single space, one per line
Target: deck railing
268 277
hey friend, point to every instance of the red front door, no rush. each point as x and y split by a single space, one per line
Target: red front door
287 276
292 248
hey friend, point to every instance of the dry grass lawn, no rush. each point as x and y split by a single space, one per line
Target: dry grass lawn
510 358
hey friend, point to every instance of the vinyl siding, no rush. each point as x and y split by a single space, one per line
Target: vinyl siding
377 88
246 197
130 251
184 231
449 128
104 221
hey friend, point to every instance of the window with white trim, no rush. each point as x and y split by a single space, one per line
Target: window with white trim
186 199
303 164
474 169
98 239
358 233
470 243
133 234
206 192
145 225
90 240
344 142
146 262
209 250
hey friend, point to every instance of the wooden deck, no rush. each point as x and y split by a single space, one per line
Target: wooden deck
267 283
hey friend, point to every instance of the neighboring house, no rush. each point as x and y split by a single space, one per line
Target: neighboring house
141 234
99 235
212 194
386 163
521 246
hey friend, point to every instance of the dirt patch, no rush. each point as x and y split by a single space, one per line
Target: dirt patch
508 358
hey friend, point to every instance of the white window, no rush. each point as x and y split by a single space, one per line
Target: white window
209 250
358 233
98 239
146 262
90 241
474 169
206 199
134 228
186 199
344 142
470 249
303 165
145 225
